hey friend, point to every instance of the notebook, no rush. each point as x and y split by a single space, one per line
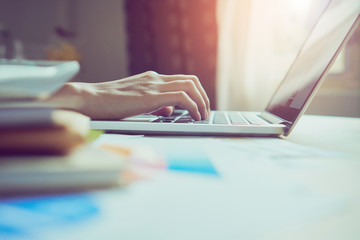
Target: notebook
24 80
288 103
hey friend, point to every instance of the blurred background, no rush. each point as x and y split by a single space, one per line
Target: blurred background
240 50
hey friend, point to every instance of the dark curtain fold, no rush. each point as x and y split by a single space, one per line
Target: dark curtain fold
173 37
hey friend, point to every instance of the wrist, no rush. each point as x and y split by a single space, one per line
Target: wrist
68 97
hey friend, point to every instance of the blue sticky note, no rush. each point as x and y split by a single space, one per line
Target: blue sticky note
26 216
189 160
61 208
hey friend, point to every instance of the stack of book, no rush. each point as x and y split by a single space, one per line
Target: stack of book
43 149
41 130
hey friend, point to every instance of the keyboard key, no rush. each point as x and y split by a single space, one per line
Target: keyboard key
234 118
168 119
207 121
184 120
237 119
220 118
254 119
180 112
157 120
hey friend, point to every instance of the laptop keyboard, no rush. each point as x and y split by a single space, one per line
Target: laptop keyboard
216 117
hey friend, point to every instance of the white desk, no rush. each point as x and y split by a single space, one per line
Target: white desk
334 133
310 197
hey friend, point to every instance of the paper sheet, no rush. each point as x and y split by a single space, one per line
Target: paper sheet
253 195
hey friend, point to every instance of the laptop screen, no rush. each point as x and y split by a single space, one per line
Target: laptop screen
314 59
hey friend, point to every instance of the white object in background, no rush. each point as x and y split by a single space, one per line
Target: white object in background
23 79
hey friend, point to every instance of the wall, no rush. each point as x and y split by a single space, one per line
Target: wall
102 39
343 103
99 25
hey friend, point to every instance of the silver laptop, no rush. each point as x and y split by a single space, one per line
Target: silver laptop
329 35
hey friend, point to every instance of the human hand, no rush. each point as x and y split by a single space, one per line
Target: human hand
142 93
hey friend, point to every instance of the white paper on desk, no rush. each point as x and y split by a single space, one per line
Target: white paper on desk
278 154
252 162
275 148
254 197
286 165
265 151
271 148
172 206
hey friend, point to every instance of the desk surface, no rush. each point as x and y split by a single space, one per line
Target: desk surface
314 195
333 133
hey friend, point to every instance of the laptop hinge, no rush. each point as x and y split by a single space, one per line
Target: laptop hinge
276 120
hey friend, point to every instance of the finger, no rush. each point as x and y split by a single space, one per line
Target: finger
179 98
190 88
164 111
192 78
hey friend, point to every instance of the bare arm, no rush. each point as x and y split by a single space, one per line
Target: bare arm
142 93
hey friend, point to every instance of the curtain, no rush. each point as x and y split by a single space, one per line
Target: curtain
258 41
172 37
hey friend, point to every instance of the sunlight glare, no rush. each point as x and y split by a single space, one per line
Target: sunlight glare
301 6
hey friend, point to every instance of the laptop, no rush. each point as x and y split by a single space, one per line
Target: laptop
325 41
